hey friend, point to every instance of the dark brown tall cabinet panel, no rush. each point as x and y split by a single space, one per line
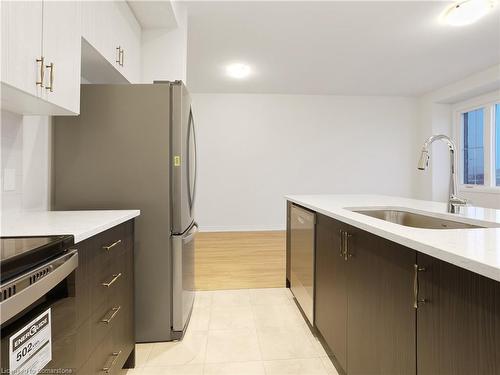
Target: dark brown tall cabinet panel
331 288
381 316
458 327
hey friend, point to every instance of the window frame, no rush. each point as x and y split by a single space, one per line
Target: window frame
487 102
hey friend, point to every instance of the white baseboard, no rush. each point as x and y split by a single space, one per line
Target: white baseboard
241 228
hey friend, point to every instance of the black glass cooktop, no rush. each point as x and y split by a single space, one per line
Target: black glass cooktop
18 254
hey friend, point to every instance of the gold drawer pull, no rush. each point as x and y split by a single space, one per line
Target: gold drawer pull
107 248
112 281
114 357
113 311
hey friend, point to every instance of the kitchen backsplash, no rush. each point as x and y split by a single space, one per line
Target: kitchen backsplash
25 162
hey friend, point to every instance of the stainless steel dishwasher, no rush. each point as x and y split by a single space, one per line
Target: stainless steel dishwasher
302 225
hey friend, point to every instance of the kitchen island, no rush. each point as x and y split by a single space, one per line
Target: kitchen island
100 321
396 299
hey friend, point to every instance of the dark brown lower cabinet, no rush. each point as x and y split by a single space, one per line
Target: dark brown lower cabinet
331 289
364 300
104 284
366 288
381 316
458 327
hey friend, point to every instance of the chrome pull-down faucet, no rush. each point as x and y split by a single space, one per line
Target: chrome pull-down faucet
454 202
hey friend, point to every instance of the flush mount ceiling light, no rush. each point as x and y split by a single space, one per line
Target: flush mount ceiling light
238 70
467 12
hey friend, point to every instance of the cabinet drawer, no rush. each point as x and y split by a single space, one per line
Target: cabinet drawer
109 242
123 341
103 319
115 346
100 356
108 283
106 250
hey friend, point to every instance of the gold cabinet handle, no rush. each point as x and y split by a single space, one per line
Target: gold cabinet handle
347 254
112 362
341 243
109 247
112 281
118 53
113 312
416 299
122 56
51 79
42 71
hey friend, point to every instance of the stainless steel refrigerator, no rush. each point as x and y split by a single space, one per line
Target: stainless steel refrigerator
134 147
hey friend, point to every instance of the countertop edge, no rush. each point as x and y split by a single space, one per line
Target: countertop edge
110 224
436 252
81 224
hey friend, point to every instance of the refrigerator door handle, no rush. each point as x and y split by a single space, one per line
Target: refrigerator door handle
194 230
192 133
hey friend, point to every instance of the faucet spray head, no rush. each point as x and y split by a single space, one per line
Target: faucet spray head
423 162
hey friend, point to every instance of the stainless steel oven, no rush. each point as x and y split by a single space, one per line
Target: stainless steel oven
37 305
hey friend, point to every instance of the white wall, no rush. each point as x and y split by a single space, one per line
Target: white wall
435 118
25 153
254 149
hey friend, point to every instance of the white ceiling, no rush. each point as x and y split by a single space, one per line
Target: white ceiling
344 48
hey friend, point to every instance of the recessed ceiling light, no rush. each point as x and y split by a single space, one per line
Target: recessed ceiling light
238 70
468 11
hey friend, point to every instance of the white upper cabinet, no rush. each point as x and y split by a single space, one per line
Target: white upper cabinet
41 51
97 26
21 47
112 29
130 42
62 53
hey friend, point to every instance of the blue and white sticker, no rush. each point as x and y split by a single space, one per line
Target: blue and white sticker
30 348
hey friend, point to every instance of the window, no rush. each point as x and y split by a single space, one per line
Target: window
473 147
478 134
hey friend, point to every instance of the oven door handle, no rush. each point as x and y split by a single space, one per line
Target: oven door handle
62 267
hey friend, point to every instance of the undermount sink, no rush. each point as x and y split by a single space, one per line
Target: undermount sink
411 219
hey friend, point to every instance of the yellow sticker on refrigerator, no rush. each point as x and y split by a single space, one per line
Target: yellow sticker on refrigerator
177 161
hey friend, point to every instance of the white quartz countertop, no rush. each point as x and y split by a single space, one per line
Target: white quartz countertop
475 249
81 224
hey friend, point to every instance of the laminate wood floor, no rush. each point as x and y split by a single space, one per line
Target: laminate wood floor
239 260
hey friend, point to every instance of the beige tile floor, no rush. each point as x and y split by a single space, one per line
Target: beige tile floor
239 332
